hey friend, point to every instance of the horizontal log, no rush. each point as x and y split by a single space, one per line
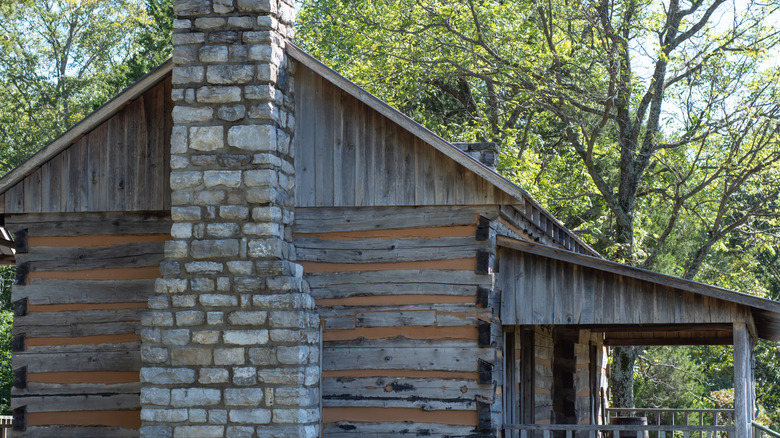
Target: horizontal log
370 414
40 388
98 240
427 394
415 332
313 249
443 358
76 402
44 291
146 272
81 224
83 348
397 233
80 432
394 301
338 291
78 330
320 220
81 361
347 429
412 277
461 264
63 319
67 258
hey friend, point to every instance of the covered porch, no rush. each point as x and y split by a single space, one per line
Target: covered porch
561 312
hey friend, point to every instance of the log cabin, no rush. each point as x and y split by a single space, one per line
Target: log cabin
246 244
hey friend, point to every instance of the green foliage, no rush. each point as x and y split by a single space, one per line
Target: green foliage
6 373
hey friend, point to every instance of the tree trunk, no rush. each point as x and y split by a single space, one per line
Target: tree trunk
621 378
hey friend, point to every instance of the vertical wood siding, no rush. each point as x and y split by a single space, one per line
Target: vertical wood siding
347 154
582 295
121 165
89 278
398 304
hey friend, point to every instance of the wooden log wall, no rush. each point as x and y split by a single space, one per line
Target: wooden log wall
539 290
121 165
405 305
82 282
348 154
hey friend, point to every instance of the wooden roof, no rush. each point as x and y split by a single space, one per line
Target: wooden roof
578 289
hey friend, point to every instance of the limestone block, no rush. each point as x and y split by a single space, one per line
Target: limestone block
155 396
226 178
206 138
181 397
243 396
240 267
205 337
229 356
213 375
175 337
252 137
183 8
250 416
210 249
191 356
248 317
198 431
229 74
157 319
245 337
209 23
218 300
163 415
223 6
167 376
183 75
190 318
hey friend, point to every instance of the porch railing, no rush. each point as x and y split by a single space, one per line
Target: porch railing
615 431
673 417
662 423
761 431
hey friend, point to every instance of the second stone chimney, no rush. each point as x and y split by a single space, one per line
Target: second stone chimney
486 153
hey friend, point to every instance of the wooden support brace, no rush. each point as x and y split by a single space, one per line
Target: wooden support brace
483 297
483 229
20 378
20 307
484 338
22 271
485 372
484 262
20 418
483 414
17 343
20 241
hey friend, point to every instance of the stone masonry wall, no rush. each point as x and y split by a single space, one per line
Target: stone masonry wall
230 344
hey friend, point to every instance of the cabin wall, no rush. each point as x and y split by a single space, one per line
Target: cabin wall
404 326
121 165
83 281
348 154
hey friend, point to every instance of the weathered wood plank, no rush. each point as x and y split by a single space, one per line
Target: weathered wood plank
64 318
78 329
320 220
438 356
385 289
80 432
390 430
43 291
90 224
399 277
81 361
77 402
45 388
386 250
427 394
117 157
70 258
32 192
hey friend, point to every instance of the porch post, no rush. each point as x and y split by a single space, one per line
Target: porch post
742 380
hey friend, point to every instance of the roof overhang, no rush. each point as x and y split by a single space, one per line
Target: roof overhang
766 313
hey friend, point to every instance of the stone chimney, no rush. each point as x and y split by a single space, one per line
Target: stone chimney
230 341
486 153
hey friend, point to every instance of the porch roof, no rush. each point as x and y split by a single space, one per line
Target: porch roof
632 305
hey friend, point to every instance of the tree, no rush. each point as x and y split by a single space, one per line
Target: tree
57 64
651 128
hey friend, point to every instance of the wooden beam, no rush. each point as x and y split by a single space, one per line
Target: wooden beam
80 129
742 415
